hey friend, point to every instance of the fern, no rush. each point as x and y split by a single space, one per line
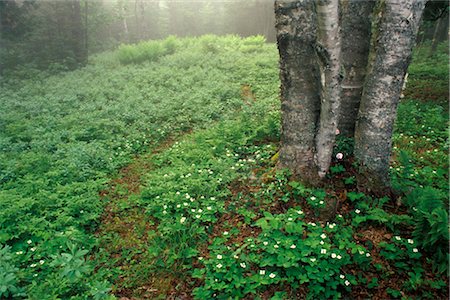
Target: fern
431 228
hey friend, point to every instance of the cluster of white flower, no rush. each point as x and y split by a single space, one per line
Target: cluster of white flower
334 255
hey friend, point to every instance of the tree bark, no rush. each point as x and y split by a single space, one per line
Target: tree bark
328 55
390 56
78 39
356 31
300 103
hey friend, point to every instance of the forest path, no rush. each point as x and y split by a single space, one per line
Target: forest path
124 232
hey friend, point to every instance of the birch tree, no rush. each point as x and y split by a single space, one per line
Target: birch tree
391 52
328 78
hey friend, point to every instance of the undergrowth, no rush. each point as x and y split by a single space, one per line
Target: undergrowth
206 213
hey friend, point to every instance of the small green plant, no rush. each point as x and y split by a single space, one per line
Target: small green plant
9 283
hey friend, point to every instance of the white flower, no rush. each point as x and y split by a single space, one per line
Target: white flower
243 265
332 225
262 272
398 238
339 257
290 219
265 243
312 259
200 210
33 265
219 256
219 266
410 241
339 156
29 242
276 246
19 252
313 198
293 246
197 216
178 205
333 255
321 202
299 212
213 198
323 251
164 212
209 208
272 275
415 250
323 236
321 242
367 254
187 196
200 258
342 276
33 249
185 204
361 252
347 283
357 211
225 233
182 220
236 257
41 261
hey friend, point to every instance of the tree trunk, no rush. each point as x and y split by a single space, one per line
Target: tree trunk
356 31
300 103
328 55
390 56
78 40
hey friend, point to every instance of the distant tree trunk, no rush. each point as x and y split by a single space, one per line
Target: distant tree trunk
78 39
389 59
441 32
86 29
356 30
123 17
328 55
300 102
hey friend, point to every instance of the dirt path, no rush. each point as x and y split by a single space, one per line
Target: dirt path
124 233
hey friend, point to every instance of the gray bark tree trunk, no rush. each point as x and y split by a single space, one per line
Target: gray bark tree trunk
328 53
300 102
356 31
389 59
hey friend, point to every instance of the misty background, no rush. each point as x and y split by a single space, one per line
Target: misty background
60 35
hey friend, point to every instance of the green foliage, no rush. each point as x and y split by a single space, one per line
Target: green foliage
146 51
64 137
9 283
214 208
430 217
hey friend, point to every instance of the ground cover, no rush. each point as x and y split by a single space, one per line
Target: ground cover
202 211
63 137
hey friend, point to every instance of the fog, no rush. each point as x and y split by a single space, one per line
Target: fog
42 33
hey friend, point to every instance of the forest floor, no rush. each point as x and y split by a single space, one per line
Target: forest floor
260 209
151 175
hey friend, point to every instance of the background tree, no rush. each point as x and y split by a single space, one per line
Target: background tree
305 31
